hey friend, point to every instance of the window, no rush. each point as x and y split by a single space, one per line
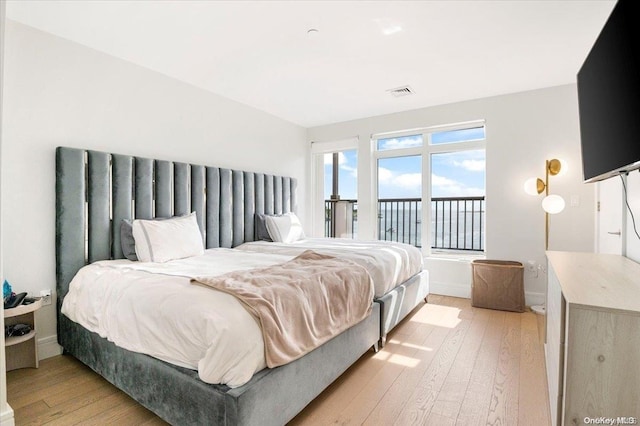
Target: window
399 174
400 199
401 142
347 168
457 200
453 159
340 194
460 135
334 208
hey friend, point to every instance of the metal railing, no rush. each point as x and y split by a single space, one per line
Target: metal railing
457 223
400 220
332 228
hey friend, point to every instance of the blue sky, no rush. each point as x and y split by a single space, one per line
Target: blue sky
452 174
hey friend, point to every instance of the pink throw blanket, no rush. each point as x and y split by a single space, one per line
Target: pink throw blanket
300 304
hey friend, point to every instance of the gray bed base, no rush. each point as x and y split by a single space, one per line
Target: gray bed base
399 302
176 394
94 192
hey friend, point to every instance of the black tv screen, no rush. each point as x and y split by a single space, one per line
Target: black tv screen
609 97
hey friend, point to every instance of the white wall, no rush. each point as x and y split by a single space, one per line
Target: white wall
633 197
523 130
6 413
61 93
614 215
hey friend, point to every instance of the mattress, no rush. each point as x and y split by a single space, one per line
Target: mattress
153 308
389 263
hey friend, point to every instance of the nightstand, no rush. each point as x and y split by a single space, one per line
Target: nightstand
22 351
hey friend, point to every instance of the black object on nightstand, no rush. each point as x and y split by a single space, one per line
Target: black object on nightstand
14 300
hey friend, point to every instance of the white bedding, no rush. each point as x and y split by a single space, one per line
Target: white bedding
152 308
389 263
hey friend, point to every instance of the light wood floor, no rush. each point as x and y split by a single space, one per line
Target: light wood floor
446 364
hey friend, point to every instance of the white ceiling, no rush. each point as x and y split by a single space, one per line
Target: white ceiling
259 52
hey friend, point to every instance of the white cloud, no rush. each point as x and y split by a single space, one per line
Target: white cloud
404 142
410 183
385 176
399 185
471 165
443 181
353 171
445 187
408 180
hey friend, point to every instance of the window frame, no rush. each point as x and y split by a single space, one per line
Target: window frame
425 151
317 153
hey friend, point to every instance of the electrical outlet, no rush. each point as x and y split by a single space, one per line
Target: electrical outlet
46 297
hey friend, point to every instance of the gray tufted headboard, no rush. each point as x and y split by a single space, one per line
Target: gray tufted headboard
96 190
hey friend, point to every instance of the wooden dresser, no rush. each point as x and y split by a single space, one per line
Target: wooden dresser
592 344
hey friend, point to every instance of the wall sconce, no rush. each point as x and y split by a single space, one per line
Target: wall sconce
551 204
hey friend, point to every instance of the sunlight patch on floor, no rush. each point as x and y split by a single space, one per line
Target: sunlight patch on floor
411 345
382 355
441 316
418 347
404 361
398 359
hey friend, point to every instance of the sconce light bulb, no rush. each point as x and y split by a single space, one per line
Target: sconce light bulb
533 186
553 204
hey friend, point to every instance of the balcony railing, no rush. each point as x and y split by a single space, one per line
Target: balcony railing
457 223
400 219
341 222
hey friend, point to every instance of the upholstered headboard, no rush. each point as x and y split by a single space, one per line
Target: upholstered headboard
95 191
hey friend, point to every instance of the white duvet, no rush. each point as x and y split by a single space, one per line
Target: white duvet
152 308
389 263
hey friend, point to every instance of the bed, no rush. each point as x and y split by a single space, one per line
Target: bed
95 191
400 282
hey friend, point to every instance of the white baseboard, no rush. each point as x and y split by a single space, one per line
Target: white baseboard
48 347
448 289
464 291
6 417
532 298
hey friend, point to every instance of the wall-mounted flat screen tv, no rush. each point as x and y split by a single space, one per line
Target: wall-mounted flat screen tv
609 97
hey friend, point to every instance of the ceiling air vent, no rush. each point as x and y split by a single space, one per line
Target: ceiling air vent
401 91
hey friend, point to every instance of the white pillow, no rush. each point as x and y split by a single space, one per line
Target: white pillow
164 240
284 229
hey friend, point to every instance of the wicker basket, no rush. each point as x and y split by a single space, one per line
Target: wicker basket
498 284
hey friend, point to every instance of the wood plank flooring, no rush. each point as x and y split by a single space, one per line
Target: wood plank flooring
446 364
